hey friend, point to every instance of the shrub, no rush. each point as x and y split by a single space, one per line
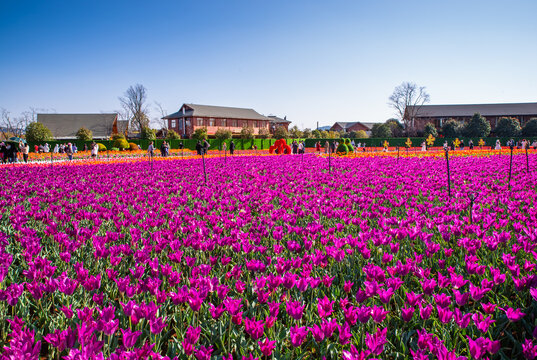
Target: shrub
101 147
530 129
133 147
350 148
200 133
316 134
222 134
121 144
430 129
148 133
281 133
247 133
451 129
172 135
478 126
361 134
84 134
36 132
264 133
381 131
507 127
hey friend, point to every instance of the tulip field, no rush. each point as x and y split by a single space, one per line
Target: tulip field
273 257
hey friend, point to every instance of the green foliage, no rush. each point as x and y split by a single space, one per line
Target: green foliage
530 129
121 144
316 134
223 134
264 133
306 133
101 147
325 134
342 149
295 133
430 129
84 134
397 129
133 147
478 126
172 135
200 133
381 131
148 134
361 134
117 136
247 133
281 133
507 127
451 129
37 132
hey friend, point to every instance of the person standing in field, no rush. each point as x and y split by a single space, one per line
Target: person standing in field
94 150
69 151
471 144
224 147
318 147
326 147
25 149
206 146
150 149
231 147
498 145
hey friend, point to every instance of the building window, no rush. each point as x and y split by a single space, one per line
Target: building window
234 123
211 122
173 124
199 121
223 122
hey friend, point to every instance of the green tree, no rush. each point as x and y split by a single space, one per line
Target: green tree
397 129
430 129
247 133
172 135
451 129
306 133
507 127
381 131
36 132
200 133
530 129
478 126
295 133
148 133
222 134
117 136
281 133
360 134
84 134
325 134
264 133
316 134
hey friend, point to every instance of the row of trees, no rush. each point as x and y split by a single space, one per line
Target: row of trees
478 126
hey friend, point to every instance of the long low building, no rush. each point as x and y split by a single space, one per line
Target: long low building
193 116
347 127
418 116
65 126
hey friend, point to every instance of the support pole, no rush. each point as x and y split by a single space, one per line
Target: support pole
204 169
448 172
510 164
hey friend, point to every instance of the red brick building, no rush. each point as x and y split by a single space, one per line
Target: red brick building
276 122
438 114
347 127
192 116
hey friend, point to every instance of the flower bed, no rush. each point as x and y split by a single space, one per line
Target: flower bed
273 257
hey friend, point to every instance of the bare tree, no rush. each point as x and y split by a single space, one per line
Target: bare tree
407 99
162 123
11 126
133 101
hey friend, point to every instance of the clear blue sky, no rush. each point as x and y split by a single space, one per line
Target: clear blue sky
313 61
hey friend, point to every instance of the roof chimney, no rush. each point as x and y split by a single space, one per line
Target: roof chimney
285 117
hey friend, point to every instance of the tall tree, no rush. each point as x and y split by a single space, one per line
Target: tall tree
407 99
478 126
133 101
507 127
